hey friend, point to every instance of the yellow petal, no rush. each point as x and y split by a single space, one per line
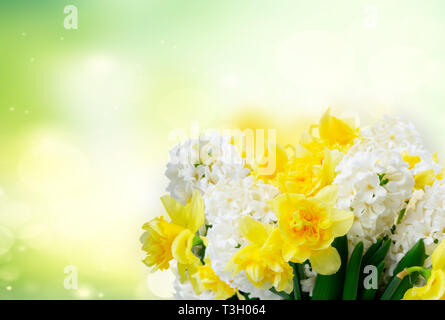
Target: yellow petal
182 270
326 261
274 241
194 212
182 247
435 157
342 222
424 178
330 162
438 257
288 250
300 255
173 209
441 175
411 160
433 290
328 195
283 203
252 230
334 130
190 216
254 273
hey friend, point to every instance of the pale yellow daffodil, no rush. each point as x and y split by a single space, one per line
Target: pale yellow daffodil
207 279
164 241
262 260
309 225
310 166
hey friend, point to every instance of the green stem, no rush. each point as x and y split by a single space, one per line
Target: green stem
297 289
282 294
425 272
197 241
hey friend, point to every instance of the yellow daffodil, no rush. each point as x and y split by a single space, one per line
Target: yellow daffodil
301 171
262 260
274 156
435 286
164 240
333 133
208 280
309 225
307 173
311 166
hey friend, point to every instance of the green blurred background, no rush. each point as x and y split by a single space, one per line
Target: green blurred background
86 114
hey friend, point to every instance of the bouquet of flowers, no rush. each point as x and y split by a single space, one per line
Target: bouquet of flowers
345 213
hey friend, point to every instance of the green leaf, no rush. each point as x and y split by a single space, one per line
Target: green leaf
197 241
353 273
401 214
380 249
365 261
330 287
397 287
282 294
297 287
391 288
302 276
414 257
407 283
370 252
380 254
369 294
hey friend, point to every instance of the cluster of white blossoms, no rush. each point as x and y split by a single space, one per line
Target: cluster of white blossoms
424 219
398 134
234 231
375 186
377 182
214 167
198 163
308 284
225 202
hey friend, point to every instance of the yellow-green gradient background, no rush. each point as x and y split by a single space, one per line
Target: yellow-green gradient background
85 114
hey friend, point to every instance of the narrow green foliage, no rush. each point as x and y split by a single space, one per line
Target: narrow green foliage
369 294
407 283
397 287
401 215
297 289
370 252
331 287
391 288
353 273
373 256
380 254
302 276
414 257
282 294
